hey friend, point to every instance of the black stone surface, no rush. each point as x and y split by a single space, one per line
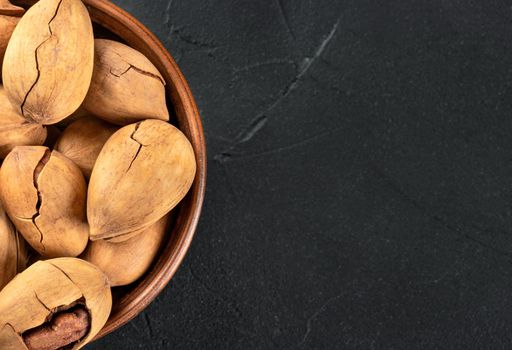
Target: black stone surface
360 176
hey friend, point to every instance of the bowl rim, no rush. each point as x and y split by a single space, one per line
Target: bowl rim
103 12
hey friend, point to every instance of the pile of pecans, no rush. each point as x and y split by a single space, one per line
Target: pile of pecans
91 170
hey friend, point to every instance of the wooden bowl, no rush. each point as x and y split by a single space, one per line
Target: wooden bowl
132 300
135 299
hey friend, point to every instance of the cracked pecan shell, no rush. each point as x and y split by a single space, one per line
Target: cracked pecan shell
54 304
44 195
49 60
16 130
143 171
126 87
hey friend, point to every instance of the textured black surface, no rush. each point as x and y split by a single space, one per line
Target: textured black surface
360 167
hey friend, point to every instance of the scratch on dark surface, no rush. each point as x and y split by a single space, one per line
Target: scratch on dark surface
149 326
254 127
188 39
223 157
286 20
146 330
436 218
305 67
313 317
245 135
168 14
286 148
308 61
263 64
178 56
134 326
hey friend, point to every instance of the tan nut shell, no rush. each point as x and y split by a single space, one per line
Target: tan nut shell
8 9
126 262
83 140
143 171
28 300
13 253
126 87
58 227
7 25
9 18
49 60
78 114
15 130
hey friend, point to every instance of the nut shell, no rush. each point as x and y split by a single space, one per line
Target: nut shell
126 262
126 87
78 114
143 171
44 195
9 18
49 60
83 140
13 253
7 25
14 129
33 296
8 9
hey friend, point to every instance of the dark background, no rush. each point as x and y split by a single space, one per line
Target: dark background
360 176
